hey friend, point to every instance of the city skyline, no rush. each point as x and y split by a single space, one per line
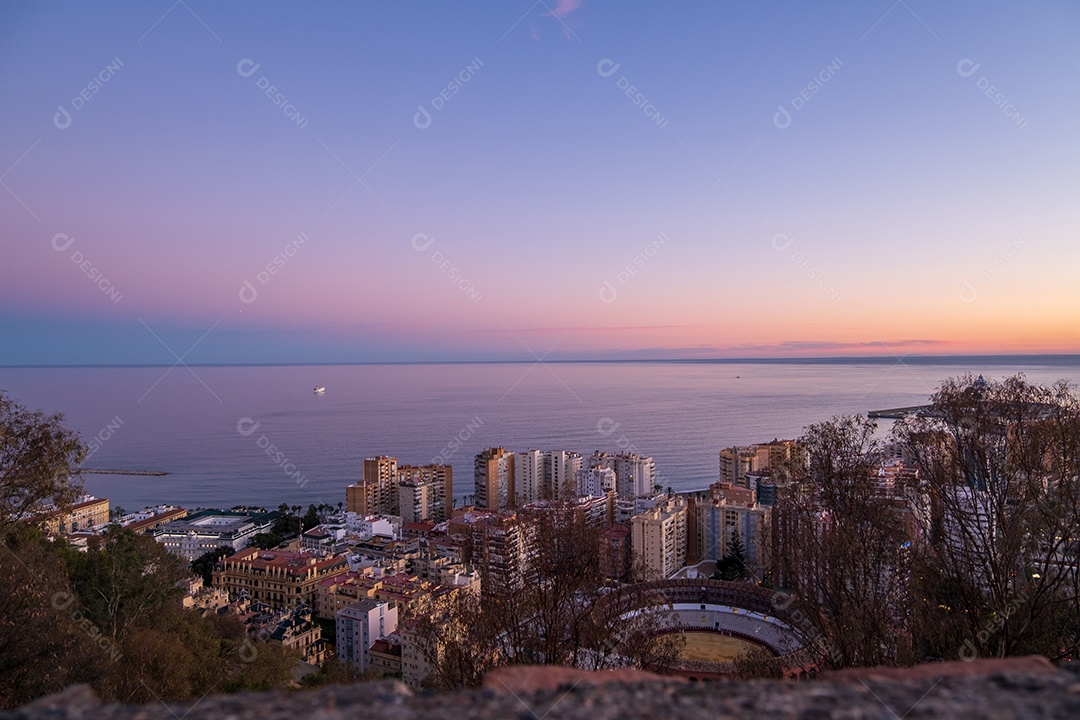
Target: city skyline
536 181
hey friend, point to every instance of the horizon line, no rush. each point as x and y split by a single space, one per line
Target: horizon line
1054 358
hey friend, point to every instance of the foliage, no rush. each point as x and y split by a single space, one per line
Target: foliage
974 554
285 526
38 463
265 541
43 647
733 565
123 580
757 662
203 565
336 672
311 518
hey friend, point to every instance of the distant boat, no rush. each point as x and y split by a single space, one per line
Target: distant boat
319 389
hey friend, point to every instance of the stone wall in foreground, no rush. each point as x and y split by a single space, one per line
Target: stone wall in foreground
1016 688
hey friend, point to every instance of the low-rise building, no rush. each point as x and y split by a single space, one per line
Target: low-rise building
150 518
89 513
279 578
385 656
207 530
320 538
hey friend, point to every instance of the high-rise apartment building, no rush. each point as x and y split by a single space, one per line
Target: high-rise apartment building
595 481
778 458
415 500
660 538
425 492
634 474
529 477
493 475
546 475
615 555
732 511
500 553
377 492
563 473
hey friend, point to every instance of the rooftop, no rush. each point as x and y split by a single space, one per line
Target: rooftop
291 561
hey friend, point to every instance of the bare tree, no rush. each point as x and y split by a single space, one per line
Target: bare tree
844 551
560 610
1000 462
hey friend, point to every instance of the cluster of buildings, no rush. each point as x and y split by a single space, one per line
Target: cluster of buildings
505 480
400 545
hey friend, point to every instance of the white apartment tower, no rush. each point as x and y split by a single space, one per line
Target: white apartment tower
598 481
634 474
546 475
359 626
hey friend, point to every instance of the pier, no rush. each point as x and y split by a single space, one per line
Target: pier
148 473
898 413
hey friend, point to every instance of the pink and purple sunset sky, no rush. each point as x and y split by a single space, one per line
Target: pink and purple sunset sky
514 180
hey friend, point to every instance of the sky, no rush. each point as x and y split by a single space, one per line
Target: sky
565 179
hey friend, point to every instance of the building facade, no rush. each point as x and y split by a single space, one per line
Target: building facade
494 479
278 578
546 475
87 514
778 459
733 511
425 492
500 553
635 474
595 481
359 626
203 531
660 538
376 493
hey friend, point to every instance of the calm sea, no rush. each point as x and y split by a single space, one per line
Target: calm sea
210 427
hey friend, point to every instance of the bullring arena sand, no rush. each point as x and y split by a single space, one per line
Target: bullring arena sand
713 647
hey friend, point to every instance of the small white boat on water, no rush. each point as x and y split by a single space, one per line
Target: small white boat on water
319 389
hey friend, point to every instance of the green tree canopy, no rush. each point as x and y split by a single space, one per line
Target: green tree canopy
38 463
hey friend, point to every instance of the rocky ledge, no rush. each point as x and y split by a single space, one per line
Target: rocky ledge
1014 688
